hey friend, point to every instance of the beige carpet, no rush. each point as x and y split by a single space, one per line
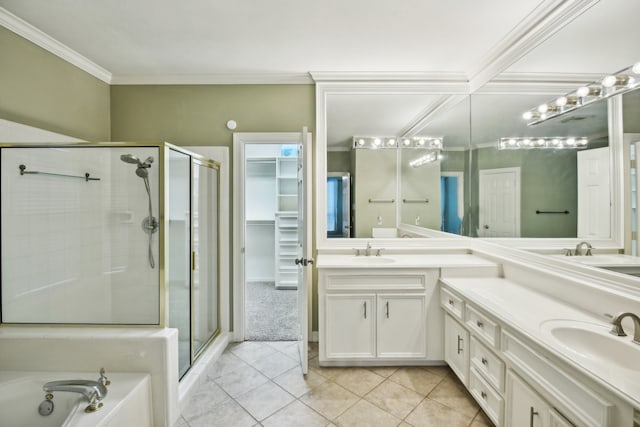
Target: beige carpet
270 314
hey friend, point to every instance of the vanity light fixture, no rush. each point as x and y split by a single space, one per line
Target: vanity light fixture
555 143
425 159
618 83
380 142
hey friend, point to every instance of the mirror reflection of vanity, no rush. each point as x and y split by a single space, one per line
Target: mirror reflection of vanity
472 128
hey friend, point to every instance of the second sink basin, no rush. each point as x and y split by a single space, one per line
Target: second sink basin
593 344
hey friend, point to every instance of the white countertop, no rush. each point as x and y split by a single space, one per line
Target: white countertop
402 261
603 260
527 311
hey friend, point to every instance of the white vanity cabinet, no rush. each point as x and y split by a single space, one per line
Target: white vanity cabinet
516 381
386 316
456 348
524 406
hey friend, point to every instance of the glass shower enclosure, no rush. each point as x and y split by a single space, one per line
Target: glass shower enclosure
111 234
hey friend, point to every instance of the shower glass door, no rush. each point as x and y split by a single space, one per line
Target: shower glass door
204 256
179 254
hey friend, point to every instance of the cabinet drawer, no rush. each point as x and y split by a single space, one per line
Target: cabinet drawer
489 399
339 281
482 326
451 303
488 364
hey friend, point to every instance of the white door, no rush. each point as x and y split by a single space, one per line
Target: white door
524 406
456 348
350 326
402 325
304 260
499 202
594 197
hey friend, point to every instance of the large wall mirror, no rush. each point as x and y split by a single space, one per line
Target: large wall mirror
452 195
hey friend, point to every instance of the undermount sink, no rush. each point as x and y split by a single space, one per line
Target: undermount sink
373 259
593 344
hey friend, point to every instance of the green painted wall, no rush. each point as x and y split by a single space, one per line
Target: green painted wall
197 114
548 182
339 161
39 89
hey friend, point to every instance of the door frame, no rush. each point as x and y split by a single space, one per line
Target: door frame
240 140
517 201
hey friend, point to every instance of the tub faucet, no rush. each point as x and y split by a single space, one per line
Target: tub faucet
94 391
579 246
617 326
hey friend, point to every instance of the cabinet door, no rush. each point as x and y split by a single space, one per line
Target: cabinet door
456 348
350 326
402 326
524 407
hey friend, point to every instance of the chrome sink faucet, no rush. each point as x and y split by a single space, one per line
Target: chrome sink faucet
579 246
94 391
619 331
367 251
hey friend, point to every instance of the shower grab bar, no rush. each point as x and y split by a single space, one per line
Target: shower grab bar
86 177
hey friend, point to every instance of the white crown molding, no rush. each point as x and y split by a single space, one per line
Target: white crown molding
48 43
213 79
536 83
420 122
382 76
541 23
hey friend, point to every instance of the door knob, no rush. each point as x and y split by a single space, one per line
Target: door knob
303 261
486 227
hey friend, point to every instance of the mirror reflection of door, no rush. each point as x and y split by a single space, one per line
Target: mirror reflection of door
594 204
499 208
452 202
338 204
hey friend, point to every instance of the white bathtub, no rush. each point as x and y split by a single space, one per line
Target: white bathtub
128 401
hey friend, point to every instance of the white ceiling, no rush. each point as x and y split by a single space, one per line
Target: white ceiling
141 39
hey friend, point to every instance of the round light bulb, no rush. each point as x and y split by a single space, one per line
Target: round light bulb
540 141
512 141
582 141
636 68
526 142
361 142
392 142
437 142
543 108
562 101
377 141
406 142
421 142
589 91
555 141
571 141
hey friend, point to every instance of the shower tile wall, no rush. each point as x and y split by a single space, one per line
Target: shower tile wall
73 251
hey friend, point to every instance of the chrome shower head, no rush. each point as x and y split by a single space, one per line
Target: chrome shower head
142 172
130 158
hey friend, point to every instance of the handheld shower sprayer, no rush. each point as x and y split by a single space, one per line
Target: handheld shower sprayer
150 223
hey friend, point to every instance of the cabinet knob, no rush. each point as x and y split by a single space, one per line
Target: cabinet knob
450 302
483 395
485 361
480 324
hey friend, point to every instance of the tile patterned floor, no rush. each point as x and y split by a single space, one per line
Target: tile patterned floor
260 384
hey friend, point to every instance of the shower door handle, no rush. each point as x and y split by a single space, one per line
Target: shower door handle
193 260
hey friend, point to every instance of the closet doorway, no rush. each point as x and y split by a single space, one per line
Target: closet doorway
270 237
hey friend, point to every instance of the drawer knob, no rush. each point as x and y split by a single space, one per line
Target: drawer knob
450 302
485 361
484 395
480 324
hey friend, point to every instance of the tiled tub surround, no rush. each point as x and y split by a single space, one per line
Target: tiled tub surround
511 323
66 236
